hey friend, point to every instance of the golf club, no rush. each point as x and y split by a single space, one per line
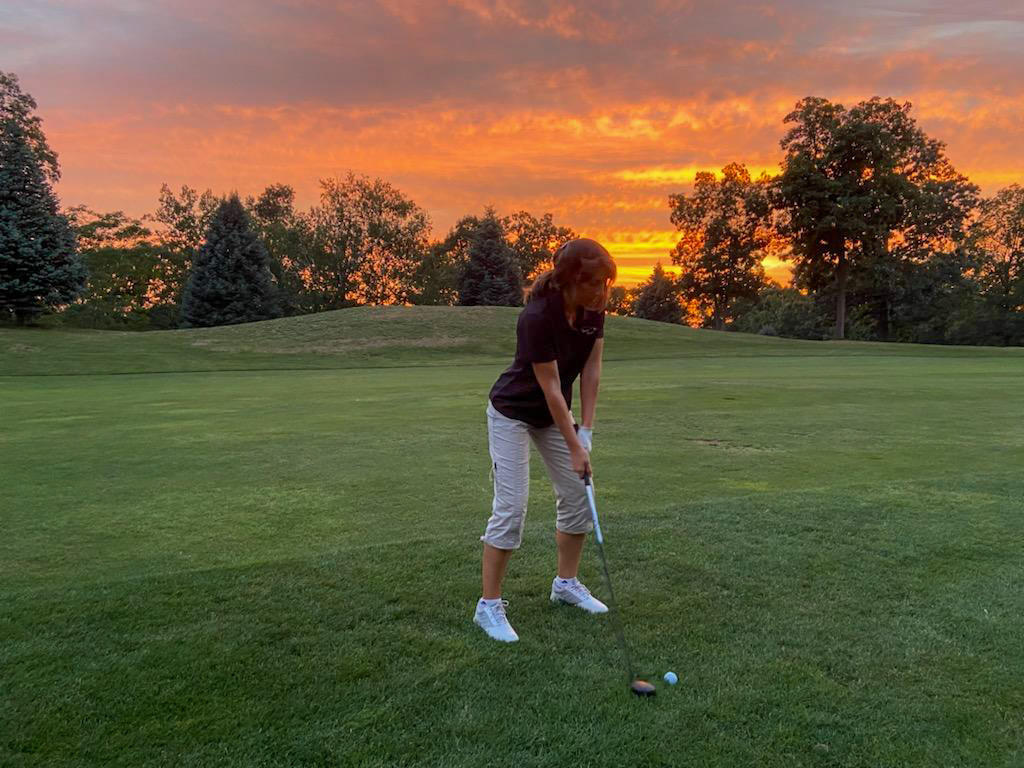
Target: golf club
636 685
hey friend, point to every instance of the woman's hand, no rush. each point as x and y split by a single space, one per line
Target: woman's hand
580 460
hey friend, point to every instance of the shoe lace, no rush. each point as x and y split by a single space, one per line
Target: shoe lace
498 612
580 591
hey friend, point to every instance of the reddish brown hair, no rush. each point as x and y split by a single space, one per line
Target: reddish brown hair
576 261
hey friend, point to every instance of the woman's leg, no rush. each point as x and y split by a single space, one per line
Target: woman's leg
495 562
572 511
573 520
509 444
570 549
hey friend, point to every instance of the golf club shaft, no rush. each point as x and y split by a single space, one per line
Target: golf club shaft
615 617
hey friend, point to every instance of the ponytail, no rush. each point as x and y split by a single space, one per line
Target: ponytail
543 284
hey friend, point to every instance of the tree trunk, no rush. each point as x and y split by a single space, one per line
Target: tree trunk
718 315
843 270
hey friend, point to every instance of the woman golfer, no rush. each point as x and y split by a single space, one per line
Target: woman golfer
559 337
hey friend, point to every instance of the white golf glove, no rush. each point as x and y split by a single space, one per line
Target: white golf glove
586 436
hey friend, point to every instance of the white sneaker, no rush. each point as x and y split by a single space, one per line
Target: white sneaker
492 620
574 593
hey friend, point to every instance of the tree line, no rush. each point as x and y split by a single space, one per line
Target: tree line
886 241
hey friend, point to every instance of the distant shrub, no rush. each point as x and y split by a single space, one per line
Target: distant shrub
781 312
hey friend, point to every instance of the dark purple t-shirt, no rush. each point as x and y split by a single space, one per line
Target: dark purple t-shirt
542 335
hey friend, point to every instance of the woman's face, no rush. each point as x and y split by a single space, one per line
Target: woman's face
590 291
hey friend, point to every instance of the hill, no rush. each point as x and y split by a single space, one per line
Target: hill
389 336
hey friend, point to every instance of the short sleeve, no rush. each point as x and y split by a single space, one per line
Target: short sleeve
535 339
600 325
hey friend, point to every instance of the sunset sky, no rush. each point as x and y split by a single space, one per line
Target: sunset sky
593 111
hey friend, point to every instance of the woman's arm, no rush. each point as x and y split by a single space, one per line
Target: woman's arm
551 384
589 381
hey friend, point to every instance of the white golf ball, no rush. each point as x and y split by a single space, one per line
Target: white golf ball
670 678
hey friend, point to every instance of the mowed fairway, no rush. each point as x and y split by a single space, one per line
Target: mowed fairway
258 546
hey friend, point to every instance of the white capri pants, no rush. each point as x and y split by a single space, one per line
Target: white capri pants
510 458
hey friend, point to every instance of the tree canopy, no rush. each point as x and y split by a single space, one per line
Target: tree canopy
863 190
725 231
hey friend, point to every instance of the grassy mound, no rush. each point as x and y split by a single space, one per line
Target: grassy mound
388 336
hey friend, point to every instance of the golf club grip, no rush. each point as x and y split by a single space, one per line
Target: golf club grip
593 514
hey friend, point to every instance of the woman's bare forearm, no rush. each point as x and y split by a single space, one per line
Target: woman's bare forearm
560 413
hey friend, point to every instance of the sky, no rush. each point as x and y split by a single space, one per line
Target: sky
595 111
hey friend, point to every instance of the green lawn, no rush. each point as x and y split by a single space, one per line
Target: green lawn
258 545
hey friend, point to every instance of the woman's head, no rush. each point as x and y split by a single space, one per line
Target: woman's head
584 272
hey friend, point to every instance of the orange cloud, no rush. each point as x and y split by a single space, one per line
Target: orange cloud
595 112
453 162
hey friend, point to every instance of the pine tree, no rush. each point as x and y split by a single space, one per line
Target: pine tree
231 280
20 107
658 298
491 276
39 266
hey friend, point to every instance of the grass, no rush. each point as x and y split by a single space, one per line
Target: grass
259 545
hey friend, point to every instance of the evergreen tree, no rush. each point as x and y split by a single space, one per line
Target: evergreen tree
20 107
231 280
491 276
658 298
39 267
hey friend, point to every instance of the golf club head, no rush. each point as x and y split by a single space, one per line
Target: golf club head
642 688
